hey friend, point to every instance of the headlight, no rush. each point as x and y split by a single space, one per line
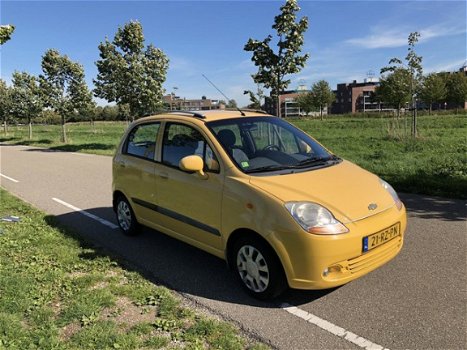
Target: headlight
392 192
315 219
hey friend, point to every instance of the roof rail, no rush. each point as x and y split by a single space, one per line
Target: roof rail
254 110
194 114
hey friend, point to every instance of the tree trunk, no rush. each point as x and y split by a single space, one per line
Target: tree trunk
5 130
321 112
64 139
429 110
414 121
30 128
398 111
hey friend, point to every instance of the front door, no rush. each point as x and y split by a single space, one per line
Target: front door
188 204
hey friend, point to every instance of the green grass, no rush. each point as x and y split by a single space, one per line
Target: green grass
100 138
57 293
435 163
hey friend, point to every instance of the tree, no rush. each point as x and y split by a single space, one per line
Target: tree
110 113
5 33
130 74
256 98
305 102
231 104
433 89
5 104
457 89
274 67
413 66
64 87
323 95
26 101
395 89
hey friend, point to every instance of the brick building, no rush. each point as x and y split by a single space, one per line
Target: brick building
355 97
182 104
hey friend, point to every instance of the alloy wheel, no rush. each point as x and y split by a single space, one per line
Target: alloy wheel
253 268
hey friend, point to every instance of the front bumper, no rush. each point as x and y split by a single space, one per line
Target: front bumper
306 256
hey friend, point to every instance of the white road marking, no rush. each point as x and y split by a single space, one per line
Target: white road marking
9 178
82 154
85 213
331 328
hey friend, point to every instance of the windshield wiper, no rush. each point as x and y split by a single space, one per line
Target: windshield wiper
317 160
301 164
269 168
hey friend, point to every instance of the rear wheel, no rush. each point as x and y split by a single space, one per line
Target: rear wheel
258 268
126 217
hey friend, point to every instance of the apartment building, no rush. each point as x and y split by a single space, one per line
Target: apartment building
173 102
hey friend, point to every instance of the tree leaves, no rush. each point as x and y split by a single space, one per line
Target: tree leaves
5 33
395 88
272 66
433 89
457 88
130 75
26 98
63 86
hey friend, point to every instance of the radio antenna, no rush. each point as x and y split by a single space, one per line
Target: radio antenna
228 99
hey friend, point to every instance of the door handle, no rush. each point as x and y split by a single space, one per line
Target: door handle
164 176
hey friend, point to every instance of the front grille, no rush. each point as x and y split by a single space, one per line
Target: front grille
375 257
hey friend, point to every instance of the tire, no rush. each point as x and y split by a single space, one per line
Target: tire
258 268
126 217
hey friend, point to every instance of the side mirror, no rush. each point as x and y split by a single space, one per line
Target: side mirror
193 164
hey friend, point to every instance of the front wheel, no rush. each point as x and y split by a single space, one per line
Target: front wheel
258 268
126 217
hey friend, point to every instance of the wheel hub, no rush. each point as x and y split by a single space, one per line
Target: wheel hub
253 269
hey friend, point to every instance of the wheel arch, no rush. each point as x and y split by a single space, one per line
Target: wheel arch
115 195
245 232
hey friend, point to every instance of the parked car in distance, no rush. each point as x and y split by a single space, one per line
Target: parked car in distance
256 191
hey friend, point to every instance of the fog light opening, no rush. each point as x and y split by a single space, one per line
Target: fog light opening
332 269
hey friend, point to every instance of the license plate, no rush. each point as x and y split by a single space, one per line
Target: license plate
375 240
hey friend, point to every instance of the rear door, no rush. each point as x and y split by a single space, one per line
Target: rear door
135 168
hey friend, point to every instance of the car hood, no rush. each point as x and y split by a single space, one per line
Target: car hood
345 189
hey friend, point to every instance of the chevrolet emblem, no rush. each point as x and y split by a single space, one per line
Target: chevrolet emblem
372 206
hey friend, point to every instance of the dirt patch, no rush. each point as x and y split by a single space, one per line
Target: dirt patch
69 330
127 314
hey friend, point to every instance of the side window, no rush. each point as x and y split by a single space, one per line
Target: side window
141 141
181 141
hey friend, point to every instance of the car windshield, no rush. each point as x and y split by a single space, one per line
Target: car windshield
264 144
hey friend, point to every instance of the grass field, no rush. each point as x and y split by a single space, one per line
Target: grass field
435 163
58 293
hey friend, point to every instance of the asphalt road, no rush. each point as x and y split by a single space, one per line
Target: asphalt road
416 301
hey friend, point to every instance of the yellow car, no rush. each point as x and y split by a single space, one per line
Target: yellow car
256 191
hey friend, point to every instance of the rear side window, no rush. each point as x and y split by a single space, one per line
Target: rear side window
180 141
141 141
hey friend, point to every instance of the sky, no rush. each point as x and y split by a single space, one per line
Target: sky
346 39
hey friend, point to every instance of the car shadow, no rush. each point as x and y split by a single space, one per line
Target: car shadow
428 207
166 261
74 148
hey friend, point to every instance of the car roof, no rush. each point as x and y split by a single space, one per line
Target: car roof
208 115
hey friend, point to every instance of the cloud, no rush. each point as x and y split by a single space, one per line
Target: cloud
383 37
182 65
446 66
